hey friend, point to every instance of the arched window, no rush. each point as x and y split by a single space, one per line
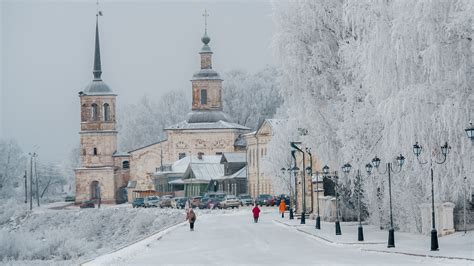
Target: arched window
125 165
95 151
203 96
84 113
106 112
95 112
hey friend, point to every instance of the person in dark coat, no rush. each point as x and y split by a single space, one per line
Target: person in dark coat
191 217
256 213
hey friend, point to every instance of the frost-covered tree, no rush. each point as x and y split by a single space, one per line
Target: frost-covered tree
251 98
12 167
370 78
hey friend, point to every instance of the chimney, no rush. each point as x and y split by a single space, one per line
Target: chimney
200 154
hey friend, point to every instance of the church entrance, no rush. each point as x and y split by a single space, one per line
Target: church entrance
95 190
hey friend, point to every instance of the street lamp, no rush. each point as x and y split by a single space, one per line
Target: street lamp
347 168
294 147
470 131
326 174
376 163
291 190
417 149
310 173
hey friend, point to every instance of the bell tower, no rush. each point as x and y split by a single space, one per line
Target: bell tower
206 83
96 178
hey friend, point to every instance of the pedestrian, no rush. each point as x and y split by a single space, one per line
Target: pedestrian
191 217
256 212
282 208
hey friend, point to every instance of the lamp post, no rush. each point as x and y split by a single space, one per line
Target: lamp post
376 163
335 177
309 171
308 151
294 147
417 149
291 191
470 135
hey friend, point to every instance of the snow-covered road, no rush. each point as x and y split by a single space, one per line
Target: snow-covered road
235 239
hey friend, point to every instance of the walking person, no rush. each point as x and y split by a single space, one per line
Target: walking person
282 208
256 213
191 217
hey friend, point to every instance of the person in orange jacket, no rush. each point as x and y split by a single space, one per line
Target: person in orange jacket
282 208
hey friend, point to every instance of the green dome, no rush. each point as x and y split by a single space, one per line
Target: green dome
205 39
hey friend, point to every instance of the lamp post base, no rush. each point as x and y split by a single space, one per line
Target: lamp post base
391 238
318 222
338 228
360 233
303 218
291 214
434 240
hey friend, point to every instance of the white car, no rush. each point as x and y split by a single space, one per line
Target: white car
152 201
230 201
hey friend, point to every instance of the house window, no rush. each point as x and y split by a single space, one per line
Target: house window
95 112
95 151
203 96
125 165
181 155
106 112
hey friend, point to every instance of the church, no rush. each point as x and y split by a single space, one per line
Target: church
205 152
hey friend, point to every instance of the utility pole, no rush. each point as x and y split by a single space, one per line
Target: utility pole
26 187
31 180
37 184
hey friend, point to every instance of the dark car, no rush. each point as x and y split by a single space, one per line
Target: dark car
138 202
265 199
70 198
87 204
179 202
204 202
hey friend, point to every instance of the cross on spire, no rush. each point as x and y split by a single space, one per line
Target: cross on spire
205 15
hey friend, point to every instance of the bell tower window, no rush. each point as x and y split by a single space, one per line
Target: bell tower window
84 113
95 112
106 112
203 96
95 151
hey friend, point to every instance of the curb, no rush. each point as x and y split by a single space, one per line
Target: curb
373 250
328 240
134 242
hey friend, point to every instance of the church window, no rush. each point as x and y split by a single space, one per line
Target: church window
106 112
95 112
125 165
181 155
84 113
203 96
95 151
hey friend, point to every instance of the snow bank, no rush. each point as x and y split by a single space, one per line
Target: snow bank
74 234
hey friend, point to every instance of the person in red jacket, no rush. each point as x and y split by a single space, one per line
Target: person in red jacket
256 213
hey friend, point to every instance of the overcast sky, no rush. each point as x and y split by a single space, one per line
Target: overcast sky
147 48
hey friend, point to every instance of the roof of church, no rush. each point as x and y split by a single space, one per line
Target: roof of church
206 74
207 116
97 86
208 125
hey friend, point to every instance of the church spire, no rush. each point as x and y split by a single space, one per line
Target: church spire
97 65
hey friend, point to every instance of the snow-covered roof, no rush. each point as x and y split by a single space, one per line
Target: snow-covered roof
234 157
176 182
121 154
213 125
242 173
207 168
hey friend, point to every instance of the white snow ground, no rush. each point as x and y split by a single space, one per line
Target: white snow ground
235 239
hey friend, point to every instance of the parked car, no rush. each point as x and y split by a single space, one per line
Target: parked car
265 199
245 199
87 204
152 201
230 201
70 198
138 202
179 202
165 201
203 203
195 201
